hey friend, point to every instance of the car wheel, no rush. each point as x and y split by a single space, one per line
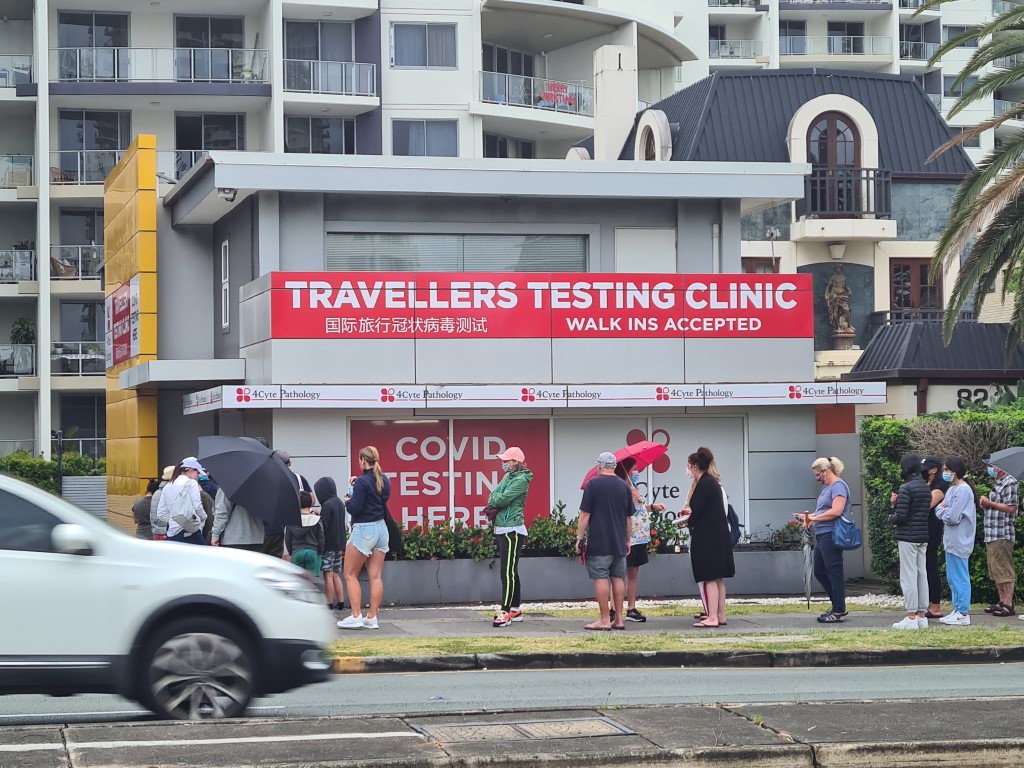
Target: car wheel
198 669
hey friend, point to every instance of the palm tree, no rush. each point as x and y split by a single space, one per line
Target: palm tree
987 214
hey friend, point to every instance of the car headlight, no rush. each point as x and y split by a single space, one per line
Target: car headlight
299 586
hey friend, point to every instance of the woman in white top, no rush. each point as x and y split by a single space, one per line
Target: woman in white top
185 480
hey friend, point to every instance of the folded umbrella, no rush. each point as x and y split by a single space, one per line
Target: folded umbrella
253 476
1010 460
643 452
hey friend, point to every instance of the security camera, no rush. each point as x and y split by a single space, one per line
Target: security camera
228 193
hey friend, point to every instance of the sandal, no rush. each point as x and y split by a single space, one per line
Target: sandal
993 608
700 616
930 615
831 618
1003 610
705 625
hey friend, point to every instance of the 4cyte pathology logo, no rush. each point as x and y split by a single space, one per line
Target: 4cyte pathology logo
387 394
243 395
796 392
663 463
529 395
662 393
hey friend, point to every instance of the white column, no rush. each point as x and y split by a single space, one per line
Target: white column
44 334
276 47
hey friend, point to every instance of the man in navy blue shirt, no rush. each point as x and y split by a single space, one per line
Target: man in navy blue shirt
605 523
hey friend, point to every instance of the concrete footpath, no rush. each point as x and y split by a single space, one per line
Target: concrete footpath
738 641
964 733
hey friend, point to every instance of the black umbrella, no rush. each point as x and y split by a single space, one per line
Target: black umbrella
1010 460
251 475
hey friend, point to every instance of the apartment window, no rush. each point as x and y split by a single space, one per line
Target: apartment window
423 46
952 31
948 88
792 37
195 134
88 43
432 138
320 135
759 265
208 48
507 61
225 286
83 420
307 44
393 252
716 32
80 252
505 146
974 142
91 142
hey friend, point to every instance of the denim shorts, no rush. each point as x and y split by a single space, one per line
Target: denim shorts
367 537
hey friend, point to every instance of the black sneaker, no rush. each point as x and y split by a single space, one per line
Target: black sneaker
634 615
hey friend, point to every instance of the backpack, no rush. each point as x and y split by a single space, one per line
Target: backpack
184 514
734 525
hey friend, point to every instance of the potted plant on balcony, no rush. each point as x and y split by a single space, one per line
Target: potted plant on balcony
23 334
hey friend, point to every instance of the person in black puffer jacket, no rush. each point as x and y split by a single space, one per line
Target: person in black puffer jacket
332 516
913 506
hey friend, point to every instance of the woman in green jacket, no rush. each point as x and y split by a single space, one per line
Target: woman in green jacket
509 498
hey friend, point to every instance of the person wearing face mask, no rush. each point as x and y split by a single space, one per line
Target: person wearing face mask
639 538
957 513
509 498
911 510
931 471
999 519
828 558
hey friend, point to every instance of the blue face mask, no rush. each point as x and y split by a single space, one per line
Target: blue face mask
947 476
992 472
635 477
505 466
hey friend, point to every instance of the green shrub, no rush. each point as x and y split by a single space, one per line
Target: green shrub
43 472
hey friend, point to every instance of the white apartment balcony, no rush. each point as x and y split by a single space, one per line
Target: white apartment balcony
909 7
82 166
843 51
17 360
15 171
77 262
17 266
1009 62
534 108
7 447
724 11
15 69
731 4
77 358
1012 126
731 50
336 88
172 164
999 7
914 56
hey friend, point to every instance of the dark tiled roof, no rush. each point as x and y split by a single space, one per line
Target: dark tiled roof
744 116
915 349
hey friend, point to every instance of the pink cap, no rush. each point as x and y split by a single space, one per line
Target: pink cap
512 454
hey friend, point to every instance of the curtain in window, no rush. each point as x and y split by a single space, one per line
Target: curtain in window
441 45
410 41
301 40
335 41
442 138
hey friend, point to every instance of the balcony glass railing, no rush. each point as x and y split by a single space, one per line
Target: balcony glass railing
17 360
15 171
175 163
15 69
1009 62
847 193
182 65
537 93
17 265
999 7
77 358
917 51
734 49
936 100
76 262
1001 107
911 5
348 78
7 447
91 447
82 166
732 3
836 45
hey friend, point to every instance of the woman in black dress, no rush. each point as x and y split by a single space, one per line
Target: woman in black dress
710 546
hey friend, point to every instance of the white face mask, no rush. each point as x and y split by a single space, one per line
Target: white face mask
689 474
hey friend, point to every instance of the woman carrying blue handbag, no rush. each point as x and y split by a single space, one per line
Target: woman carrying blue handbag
831 535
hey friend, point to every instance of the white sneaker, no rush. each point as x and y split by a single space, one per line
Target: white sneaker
906 623
369 623
956 619
352 622
922 622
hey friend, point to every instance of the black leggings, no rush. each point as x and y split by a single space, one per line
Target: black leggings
509 546
931 559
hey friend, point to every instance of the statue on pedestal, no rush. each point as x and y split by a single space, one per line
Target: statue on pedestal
837 300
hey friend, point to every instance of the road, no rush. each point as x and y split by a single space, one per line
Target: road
454 691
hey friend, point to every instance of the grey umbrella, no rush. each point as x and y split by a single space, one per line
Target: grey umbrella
1010 460
808 564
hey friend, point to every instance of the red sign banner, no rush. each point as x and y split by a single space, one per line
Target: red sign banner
430 305
119 310
436 478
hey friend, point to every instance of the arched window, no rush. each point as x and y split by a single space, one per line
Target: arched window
650 145
833 149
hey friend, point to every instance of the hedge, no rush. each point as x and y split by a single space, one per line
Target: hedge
43 472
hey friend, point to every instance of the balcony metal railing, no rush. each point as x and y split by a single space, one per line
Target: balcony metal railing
15 171
348 78
1002 106
17 265
847 193
1009 62
15 69
82 166
217 65
17 360
734 49
878 320
92 447
175 163
537 93
917 50
76 262
836 45
77 358
7 447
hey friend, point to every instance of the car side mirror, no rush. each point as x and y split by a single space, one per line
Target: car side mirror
71 539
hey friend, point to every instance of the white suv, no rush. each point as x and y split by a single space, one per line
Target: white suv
190 632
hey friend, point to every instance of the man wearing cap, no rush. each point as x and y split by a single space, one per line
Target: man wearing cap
509 498
1000 513
605 523
160 528
186 481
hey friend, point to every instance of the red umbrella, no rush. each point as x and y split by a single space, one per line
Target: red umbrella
643 452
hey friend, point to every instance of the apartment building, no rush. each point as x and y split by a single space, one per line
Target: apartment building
80 78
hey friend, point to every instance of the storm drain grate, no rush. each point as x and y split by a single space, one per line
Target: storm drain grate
580 728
